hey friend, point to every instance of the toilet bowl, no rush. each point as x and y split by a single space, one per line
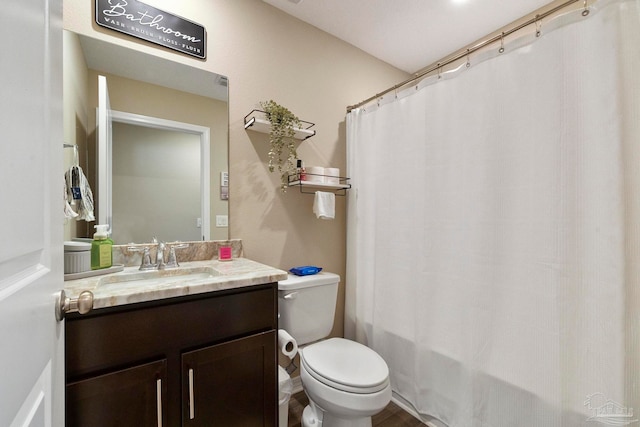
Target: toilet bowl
346 382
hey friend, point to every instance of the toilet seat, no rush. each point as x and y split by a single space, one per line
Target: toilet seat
346 365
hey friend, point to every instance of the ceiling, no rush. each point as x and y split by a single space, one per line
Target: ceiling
409 34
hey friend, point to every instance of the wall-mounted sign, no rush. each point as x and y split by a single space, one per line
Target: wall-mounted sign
154 25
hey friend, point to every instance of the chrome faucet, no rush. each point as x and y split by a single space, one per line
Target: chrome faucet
160 265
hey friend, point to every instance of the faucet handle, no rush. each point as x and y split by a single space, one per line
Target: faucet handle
172 262
146 257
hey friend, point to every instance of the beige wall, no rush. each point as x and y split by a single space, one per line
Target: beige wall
267 54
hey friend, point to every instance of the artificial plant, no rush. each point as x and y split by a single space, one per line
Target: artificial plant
282 154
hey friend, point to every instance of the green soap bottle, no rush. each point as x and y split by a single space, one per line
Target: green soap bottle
101 248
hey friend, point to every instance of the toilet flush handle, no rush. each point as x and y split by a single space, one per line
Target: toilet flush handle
292 295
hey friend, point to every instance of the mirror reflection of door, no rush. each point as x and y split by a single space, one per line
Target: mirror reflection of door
153 176
156 184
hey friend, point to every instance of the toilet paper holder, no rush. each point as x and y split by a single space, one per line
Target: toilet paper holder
288 346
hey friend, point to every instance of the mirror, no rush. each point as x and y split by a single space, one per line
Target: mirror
145 90
160 178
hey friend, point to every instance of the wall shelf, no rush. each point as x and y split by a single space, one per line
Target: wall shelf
310 187
257 121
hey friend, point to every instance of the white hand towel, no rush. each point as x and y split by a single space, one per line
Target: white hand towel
79 193
68 210
324 205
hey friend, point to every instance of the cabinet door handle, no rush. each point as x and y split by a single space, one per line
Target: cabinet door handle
159 400
192 411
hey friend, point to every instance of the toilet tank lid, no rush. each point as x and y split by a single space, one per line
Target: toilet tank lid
299 282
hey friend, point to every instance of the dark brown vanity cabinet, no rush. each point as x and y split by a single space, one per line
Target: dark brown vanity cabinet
128 397
203 360
214 397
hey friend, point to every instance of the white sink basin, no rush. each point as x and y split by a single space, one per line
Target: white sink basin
160 277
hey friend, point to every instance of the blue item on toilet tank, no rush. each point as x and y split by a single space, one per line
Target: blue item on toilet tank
305 270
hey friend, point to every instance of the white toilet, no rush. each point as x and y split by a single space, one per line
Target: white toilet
346 382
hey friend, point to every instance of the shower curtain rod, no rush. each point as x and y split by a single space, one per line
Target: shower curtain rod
465 52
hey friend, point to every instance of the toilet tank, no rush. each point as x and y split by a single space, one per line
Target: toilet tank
307 305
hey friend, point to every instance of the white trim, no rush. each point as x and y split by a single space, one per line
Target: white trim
103 161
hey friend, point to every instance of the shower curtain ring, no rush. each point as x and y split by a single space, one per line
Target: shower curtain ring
439 71
501 50
585 12
538 26
468 63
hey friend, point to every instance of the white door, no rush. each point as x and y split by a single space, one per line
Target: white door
31 207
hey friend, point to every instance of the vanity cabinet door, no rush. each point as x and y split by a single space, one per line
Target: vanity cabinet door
132 397
231 384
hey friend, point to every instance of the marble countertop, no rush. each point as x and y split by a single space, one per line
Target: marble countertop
116 289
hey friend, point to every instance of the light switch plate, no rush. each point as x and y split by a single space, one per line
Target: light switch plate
222 220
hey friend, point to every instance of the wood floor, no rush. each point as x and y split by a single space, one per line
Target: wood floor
391 416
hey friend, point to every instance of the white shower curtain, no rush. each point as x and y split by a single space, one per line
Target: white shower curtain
494 230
